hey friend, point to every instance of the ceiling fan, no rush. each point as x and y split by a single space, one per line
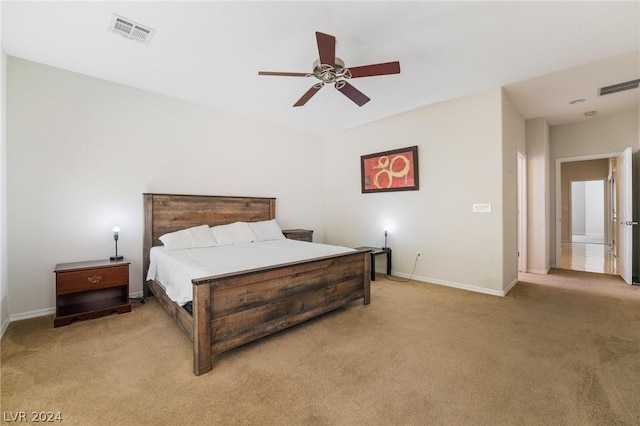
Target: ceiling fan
330 69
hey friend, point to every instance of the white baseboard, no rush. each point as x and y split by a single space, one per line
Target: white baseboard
460 286
4 326
47 311
32 314
539 271
510 286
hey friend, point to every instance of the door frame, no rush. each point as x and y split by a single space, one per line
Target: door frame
558 187
522 212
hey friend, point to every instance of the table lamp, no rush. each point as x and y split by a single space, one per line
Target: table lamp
116 231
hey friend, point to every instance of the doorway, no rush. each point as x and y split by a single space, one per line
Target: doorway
586 215
588 211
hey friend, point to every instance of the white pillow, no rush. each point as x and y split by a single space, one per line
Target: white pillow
196 237
234 233
202 236
267 230
178 240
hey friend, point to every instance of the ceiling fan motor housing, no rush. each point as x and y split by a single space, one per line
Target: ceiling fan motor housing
327 73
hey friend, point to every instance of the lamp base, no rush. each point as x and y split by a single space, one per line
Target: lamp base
116 258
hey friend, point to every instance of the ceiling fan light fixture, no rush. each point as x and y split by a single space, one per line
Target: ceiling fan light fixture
330 73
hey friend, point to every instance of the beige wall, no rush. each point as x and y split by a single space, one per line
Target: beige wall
513 141
4 287
460 149
595 136
97 157
97 146
81 151
577 170
538 196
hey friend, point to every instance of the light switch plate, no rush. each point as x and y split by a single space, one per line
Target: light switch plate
482 208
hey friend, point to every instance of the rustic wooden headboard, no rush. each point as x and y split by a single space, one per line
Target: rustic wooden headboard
171 212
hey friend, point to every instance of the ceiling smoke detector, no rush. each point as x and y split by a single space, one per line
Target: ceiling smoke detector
129 29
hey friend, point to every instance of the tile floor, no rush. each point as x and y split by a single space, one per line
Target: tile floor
588 257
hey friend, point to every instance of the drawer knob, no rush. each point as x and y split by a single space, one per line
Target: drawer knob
94 279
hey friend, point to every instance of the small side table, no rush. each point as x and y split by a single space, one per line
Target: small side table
374 252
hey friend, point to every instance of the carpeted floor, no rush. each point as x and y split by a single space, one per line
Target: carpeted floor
561 349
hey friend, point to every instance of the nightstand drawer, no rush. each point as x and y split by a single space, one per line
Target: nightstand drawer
91 279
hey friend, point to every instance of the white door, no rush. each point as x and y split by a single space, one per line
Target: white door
625 217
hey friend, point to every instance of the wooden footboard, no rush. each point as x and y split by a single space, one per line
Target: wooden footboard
179 314
233 309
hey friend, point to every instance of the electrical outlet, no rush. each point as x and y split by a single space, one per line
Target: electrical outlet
419 255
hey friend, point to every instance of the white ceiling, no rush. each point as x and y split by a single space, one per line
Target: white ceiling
545 53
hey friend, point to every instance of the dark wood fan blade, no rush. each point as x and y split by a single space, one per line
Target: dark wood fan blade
326 48
375 69
284 74
308 95
352 93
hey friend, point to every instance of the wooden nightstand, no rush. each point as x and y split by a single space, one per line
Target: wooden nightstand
87 290
298 234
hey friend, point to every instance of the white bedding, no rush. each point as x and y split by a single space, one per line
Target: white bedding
175 269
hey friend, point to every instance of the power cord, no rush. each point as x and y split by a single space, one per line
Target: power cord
415 263
139 300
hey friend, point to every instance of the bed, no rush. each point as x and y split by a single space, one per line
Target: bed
234 308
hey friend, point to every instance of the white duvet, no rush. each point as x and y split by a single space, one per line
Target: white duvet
175 269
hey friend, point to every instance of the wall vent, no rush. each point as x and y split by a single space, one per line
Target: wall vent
627 85
129 29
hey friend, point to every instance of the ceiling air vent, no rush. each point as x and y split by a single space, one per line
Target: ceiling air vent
129 29
628 85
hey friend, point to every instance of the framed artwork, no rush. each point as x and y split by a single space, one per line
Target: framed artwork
395 170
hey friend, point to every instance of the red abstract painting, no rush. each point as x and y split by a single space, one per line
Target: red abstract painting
395 170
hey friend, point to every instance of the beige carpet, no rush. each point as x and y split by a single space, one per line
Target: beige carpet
562 349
